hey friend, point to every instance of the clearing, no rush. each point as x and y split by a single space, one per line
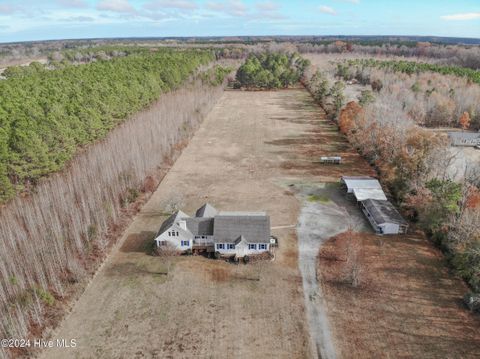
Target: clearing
245 156
408 304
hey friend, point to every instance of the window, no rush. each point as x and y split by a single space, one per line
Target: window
220 246
230 246
169 234
163 243
262 246
177 234
252 246
185 243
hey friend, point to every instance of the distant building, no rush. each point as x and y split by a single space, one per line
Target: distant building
236 234
470 139
384 217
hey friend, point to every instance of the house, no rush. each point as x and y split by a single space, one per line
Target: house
232 234
470 139
384 217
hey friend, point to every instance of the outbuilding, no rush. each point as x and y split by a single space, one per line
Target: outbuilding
466 139
360 182
336 160
384 217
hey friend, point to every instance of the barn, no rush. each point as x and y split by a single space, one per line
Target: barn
384 217
363 187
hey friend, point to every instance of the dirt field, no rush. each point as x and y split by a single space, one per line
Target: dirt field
407 306
244 156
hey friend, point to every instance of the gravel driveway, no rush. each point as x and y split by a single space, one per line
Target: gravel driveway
320 219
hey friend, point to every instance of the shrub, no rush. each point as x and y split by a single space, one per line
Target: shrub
472 301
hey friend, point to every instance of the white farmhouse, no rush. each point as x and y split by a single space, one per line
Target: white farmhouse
235 234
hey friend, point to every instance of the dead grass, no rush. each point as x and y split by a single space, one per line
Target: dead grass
208 308
407 306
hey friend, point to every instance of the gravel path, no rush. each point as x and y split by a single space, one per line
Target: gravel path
318 222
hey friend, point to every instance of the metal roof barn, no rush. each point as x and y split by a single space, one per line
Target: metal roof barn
361 194
360 182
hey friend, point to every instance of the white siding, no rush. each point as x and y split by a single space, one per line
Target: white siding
175 241
390 228
242 249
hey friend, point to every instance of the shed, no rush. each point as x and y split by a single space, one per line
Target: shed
360 182
384 217
332 159
361 194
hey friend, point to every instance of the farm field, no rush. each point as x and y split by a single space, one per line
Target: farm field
259 151
408 304
250 147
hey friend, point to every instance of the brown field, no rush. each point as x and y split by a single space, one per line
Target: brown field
250 147
259 151
407 306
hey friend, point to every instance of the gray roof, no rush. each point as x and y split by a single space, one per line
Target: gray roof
254 227
207 210
239 239
171 220
200 226
364 182
242 214
361 194
383 212
464 138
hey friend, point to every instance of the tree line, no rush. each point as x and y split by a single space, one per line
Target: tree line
53 238
413 162
431 99
413 67
46 115
460 55
270 70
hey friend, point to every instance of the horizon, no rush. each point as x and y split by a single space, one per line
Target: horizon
348 37
109 19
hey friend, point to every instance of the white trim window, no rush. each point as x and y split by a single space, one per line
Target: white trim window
220 246
185 243
252 246
262 246
230 246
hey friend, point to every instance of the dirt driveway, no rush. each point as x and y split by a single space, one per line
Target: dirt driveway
250 148
326 212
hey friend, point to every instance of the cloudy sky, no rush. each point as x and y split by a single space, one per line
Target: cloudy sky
22 20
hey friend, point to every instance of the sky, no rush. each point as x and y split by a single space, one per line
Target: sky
26 20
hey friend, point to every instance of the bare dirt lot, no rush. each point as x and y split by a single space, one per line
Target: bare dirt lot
243 157
407 305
